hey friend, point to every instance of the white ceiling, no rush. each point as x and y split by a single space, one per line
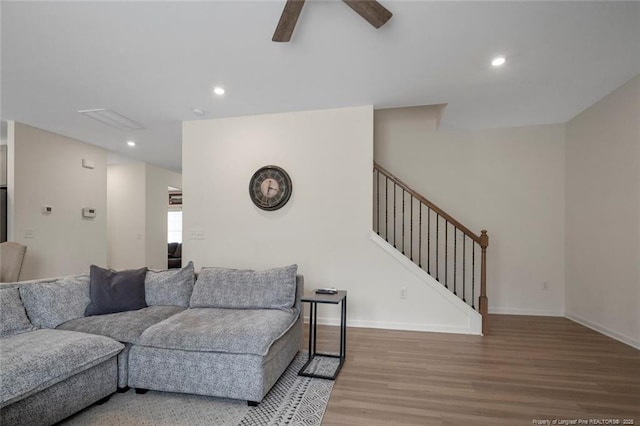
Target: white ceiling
156 61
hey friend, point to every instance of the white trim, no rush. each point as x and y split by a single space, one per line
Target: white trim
474 324
534 312
433 328
604 330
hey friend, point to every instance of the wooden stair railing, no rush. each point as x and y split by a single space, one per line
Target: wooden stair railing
416 232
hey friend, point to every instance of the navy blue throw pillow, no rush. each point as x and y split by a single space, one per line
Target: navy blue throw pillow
115 291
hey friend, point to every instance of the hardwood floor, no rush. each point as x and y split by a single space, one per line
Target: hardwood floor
526 369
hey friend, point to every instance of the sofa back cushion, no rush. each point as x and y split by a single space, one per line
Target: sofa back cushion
172 287
50 304
115 291
245 289
13 318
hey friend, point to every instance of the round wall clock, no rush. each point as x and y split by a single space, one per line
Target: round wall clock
270 188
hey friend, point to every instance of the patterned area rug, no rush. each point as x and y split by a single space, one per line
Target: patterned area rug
293 400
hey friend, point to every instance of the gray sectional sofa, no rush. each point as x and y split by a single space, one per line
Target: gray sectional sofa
230 333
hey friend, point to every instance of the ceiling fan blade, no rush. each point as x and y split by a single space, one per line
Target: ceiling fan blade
288 20
375 13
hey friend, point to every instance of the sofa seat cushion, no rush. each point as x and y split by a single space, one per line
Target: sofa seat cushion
39 359
122 326
239 331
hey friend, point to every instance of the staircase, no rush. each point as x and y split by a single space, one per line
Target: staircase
432 239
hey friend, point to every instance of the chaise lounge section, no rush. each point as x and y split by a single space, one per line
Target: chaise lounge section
241 331
48 375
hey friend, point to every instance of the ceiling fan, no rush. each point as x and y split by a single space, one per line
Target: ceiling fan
375 13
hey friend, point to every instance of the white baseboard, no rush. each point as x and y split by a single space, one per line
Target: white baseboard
437 328
604 330
434 328
534 312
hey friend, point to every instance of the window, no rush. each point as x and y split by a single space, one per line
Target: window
174 222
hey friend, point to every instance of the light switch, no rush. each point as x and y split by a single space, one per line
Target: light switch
197 235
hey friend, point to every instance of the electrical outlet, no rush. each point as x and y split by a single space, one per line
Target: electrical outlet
29 233
403 293
545 285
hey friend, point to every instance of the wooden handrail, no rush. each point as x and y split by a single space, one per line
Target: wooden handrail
431 205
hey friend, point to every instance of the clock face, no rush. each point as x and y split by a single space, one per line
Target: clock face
270 188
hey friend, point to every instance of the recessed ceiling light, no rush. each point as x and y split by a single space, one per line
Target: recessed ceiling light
498 61
131 143
218 90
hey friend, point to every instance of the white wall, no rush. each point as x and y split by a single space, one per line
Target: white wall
325 228
137 222
603 215
3 164
3 132
508 181
47 169
126 205
3 153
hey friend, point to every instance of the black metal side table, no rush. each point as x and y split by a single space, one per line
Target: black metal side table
339 298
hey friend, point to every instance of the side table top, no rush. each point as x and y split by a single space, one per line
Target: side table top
325 298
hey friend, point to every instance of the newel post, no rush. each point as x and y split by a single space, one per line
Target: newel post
483 303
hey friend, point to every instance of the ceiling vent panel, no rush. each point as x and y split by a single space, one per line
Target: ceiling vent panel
112 118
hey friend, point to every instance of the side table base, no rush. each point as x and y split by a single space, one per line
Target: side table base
321 376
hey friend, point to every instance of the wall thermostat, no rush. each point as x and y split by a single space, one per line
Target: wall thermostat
88 212
88 164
